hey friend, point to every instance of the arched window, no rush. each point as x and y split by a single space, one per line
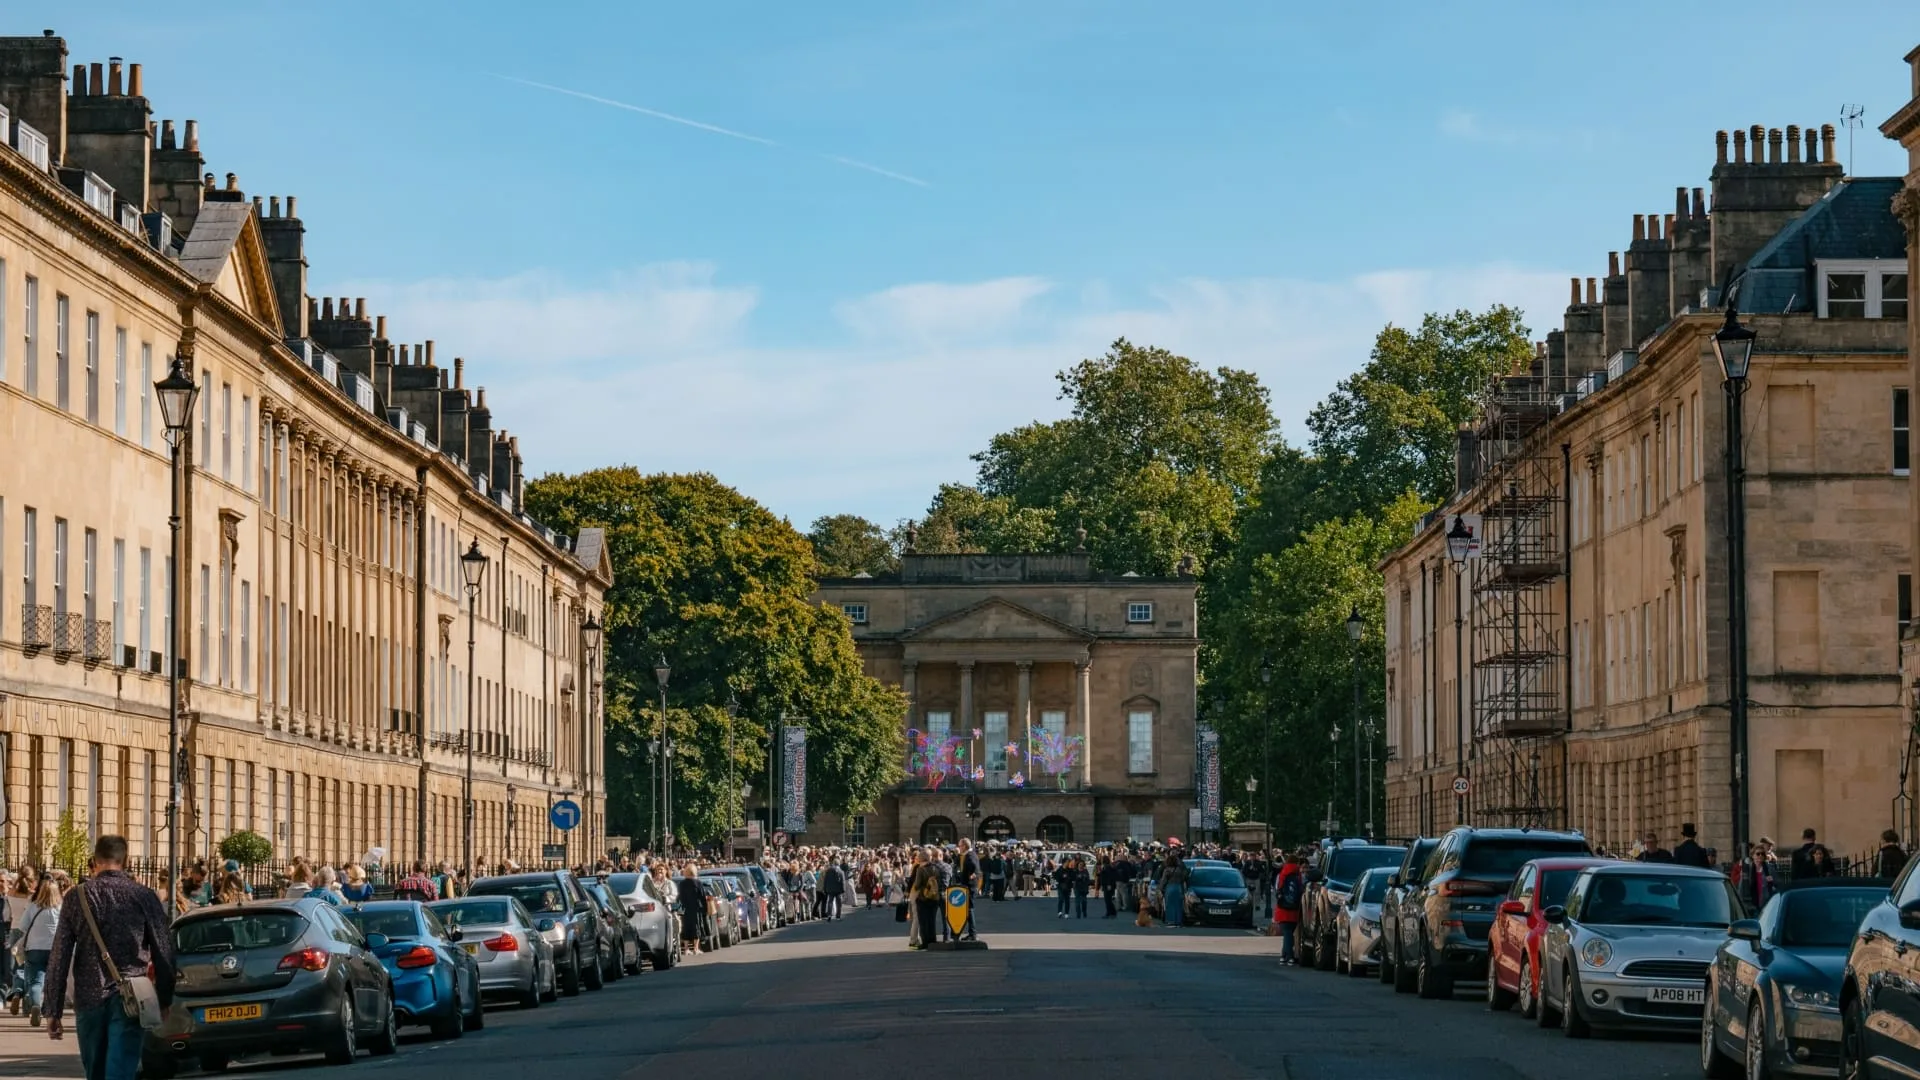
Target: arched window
938 830
1056 830
996 828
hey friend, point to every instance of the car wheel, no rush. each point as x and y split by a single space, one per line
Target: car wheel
477 1019
662 959
452 1023
211 1062
388 1039
616 963
531 997
1757 1066
1430 984
1385 965
1573 1024
570 983
1498 1000
1524 996
594 974
1544 1014
1405 975
1303 952
639 958
1853 1050
158 1067
343 1047
1323 954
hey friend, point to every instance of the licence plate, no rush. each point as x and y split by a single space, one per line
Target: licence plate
1219 911
473 949
219 1014
1678 995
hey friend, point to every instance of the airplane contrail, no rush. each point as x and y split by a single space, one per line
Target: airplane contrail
713 128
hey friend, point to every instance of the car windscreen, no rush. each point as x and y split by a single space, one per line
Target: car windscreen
238 930
1375 890
1657 900
459 913
1824 918
1498 860
1215 877
1350 863
540 897
1554 885
395 923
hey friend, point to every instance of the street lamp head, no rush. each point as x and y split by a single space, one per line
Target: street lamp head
1266 672
176 393
1355 624
733 704
661 672
1733 346
1459 541
1252 785
590 632
473 566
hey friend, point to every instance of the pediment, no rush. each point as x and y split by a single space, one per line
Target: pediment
997 620
226 251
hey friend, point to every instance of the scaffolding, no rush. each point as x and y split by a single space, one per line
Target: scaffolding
1517 634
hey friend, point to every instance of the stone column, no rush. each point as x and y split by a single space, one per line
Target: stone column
1025 705
910 684
1083 705
964 722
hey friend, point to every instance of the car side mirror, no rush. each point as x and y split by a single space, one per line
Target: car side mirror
376 941
1513 907
1910 915
1555 914
543 925
1744 930
583 908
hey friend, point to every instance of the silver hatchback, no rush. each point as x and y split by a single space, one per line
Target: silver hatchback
509 944
649 907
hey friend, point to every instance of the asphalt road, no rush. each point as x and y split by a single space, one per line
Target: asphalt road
848 1001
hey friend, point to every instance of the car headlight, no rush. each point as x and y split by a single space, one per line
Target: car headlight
1595 952
1808 996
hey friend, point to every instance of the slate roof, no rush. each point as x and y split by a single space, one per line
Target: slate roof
215 231
1853 221
589 547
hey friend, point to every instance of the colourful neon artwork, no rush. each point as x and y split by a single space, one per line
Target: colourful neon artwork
934 758
1056 752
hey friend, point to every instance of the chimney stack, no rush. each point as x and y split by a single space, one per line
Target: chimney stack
111 134
1753 201
459 372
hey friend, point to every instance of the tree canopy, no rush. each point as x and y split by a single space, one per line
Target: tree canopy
848 544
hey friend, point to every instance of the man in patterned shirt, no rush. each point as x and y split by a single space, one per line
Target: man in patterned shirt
133 923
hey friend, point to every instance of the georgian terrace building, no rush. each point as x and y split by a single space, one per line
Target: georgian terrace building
1029 650
335 476
1587 682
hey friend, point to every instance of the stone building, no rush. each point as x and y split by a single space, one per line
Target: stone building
1575 672
1032 653
334 476
1904 127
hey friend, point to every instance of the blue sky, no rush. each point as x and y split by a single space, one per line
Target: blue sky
1260 185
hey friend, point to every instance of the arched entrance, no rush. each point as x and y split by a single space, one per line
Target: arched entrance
938 830
996 828
1055 829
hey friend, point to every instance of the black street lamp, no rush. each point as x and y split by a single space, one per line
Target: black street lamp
1460 541
1356 626
733 781
473 570
1733 346
176 393
590 637
1266 747
661 672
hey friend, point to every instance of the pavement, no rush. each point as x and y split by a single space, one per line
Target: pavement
848 1001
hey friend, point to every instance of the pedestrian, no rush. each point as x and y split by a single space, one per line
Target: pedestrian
299 881
1107 883
1892 858
1689 852
36 943
693 909
127 917
1802 861
1753 876
1288 887
417 885
357 890
869 883
1063 889
833 883
1820 862
1173 890
924 888
25 884
1082 883
1651 851
966 875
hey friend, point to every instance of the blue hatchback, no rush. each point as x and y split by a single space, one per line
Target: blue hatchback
435 982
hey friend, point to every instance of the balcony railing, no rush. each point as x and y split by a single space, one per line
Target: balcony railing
99 640
36 626
69 633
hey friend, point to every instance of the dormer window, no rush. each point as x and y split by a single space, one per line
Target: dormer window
1140 611
1862 288
856 613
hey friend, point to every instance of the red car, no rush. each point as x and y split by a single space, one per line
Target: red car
1513 943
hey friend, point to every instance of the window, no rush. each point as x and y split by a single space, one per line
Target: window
939 725
226 431
995 728
120 381
30 340
246 634
146 389
3 319
1693 400
119 598
146 607
1139 611
1140 827
1051 720
857 830
1903 606
30 558
89 573
1862 288
246 443
1902 430
1139 742
92 370
59 566
226 620
61 329
206 418
1680 457
856 613
206 597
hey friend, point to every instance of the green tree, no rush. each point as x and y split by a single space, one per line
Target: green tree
848 544
963 519
246 847
71 845
714 583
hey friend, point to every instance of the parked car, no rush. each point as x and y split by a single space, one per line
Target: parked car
436 984
779 913
1513 942
1356 924
1880 991
649 906
723 929
508 944
1216 893
623 949
1773 992
1631 947
754 908
743 905
576 936
1402 885
1326 892
1462 885
272 976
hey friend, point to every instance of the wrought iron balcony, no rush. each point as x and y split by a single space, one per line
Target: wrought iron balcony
69 633
99 640
36 626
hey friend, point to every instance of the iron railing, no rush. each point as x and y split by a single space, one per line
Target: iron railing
36 626
69 633
99 640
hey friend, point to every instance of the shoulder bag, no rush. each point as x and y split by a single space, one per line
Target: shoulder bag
138 998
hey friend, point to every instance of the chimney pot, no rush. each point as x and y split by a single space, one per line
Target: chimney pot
79 80
1669 222
96 78
193 135
429 351
1720 148
1699 203
326 308
256 206
233 182
403 355
1793 142
380 327
208 180
1826 142
113 77
1679 203
166 135
134 86
1613 264
360 308
273 206
1773 146
459 372
1575 297
313 310
1739 148
480 401
1593 291
1813 146
291 212
1639 226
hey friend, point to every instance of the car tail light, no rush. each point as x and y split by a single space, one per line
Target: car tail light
304 960
503 943
417 957
645 907
1468 887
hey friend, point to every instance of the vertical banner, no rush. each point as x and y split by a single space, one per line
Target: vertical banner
1207 776
793 777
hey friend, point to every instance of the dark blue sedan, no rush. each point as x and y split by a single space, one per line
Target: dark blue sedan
1773 992
435 983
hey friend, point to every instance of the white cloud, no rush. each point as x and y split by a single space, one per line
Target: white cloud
658 367
1465 125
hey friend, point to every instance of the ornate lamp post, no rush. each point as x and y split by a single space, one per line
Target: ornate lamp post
590 637
1266 748
1733 346
733 783
1460 540
176 392
473 570
661 672
1356 626
1252 786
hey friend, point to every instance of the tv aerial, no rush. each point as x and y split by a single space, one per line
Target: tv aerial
1850 119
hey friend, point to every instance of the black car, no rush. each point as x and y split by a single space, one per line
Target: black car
1327 891
1450 914
1218 894
1880 991
1403 884
273 976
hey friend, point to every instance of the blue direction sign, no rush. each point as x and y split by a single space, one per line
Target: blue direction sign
564 814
